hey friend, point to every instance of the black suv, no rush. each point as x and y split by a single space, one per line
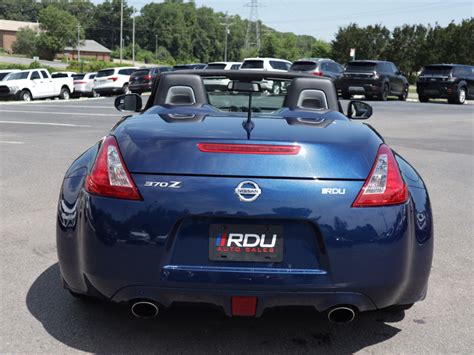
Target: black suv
320 67
373 78
454 82
142 79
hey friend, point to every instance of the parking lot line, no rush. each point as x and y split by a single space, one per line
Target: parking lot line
46 124
62 113
11 142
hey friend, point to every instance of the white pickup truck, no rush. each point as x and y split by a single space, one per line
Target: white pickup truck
32 84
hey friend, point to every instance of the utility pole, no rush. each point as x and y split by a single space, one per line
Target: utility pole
156 47
121 30
133 40
253 20
78 42
226 33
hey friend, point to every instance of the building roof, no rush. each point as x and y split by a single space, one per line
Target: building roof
89 45
7 25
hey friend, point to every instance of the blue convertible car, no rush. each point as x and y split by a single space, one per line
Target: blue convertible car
245 200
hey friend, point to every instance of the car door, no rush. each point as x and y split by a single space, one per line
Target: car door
37 86
469 75
396 79
48 83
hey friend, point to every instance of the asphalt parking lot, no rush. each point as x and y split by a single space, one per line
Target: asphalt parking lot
39 140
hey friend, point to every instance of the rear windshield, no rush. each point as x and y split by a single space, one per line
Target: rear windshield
252 64
216 66
78 76
59 75
182 67
361 66
303 66
141 72
16 76
105 72
437 70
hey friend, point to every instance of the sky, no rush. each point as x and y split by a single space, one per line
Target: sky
322 18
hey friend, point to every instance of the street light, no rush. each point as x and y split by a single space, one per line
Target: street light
156 47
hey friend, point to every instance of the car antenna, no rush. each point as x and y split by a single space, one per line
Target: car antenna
249 125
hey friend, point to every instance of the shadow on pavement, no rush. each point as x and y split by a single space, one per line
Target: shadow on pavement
100 327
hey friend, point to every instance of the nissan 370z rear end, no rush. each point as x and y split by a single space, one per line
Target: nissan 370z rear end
284 202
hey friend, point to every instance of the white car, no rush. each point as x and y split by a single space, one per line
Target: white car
32 84
113 80
267 64
5 72
216 84
84 84
63 74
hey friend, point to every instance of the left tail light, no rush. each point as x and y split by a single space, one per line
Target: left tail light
147 77
109 176
385 185
318 73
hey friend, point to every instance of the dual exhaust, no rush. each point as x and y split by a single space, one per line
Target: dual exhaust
148 309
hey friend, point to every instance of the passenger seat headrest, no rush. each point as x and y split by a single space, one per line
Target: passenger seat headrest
180 95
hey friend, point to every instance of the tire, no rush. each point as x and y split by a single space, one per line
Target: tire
422 98
384 94
404 95
95 93
460 97
64 94
346 96
25 95
276 89
126 89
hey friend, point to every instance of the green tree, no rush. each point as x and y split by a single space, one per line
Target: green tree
19 10
271 46
25 42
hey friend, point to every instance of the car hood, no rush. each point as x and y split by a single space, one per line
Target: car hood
331 147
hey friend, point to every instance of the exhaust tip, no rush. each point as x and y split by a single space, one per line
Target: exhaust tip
341 315
145 309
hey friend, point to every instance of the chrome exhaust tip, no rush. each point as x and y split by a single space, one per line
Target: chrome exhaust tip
341 315
145 309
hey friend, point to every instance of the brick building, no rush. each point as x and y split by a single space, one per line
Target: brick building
8 30
89 49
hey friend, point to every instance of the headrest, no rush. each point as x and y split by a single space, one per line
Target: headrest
311 94
181 89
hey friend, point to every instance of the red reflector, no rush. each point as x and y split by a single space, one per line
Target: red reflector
318 73
244 306
384 185
268 149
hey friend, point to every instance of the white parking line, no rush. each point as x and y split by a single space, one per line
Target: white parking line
39 102
11 142
46 124
63 113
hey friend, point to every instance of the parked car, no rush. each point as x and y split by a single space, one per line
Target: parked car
84 85
63 74
142 79
5 72
189 66
113 80
268 64
281 203
319 67
454 82
220 84
224 65
374 79
32 84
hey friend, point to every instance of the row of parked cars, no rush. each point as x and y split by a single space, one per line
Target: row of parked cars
374 79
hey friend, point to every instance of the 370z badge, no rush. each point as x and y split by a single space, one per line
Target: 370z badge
245 242
164 184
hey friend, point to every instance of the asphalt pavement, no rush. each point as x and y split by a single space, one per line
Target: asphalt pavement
39 140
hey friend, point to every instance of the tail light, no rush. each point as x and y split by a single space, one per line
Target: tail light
318 73
267 149
147 77
385 185
114 78
79 82
109 176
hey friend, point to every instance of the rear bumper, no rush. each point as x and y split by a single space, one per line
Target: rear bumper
141 87
440 90
108 90
158 249
359 86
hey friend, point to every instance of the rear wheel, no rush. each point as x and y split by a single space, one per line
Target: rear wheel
460 97
384 94
422 98
126 89
404 95
64 94
25 95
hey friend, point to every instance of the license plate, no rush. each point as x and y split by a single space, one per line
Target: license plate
245 242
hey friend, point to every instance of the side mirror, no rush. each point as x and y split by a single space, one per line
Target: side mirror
358 110
128 103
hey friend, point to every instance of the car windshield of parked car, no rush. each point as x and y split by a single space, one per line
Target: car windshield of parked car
17 76
59 75
252 64
105 72
361 67
442 70
141 72
303 66
216 66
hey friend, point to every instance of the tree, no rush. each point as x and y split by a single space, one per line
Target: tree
25 42
271 46
20 10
